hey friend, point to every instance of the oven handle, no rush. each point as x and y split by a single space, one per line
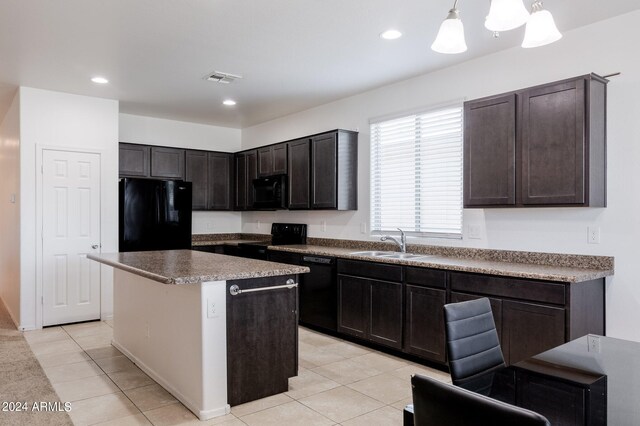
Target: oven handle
235 290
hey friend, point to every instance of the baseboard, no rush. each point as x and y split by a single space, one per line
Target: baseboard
202 415
106 317
16 323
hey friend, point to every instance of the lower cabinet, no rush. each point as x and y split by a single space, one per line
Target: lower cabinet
370 309
529 329
424 322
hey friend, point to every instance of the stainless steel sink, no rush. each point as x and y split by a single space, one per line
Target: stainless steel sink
390 255
372 253
405 256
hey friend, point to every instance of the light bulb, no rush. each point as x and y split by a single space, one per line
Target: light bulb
450 39
505 15
541 28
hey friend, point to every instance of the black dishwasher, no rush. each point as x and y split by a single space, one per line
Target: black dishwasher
318 293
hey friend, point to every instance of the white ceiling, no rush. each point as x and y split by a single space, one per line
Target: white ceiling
293 54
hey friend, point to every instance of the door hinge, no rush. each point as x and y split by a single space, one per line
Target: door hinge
41 169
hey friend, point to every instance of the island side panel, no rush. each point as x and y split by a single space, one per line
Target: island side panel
165 330
262 339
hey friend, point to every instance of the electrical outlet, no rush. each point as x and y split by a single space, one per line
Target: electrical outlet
258 224
363 227
474 232
323 224
211 308
594 343
210 226
593 235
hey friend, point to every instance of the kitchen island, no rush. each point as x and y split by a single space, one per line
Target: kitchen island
213 330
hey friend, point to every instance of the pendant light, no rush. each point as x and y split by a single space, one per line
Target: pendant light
505 15
450 39
541 28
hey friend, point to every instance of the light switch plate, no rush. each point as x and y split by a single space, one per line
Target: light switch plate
363 227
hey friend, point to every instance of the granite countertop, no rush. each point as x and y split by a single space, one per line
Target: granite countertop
223 242
567 274
192 267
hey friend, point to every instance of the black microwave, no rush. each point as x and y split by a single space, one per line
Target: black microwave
270 192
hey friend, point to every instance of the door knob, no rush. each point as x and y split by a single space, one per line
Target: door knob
95 246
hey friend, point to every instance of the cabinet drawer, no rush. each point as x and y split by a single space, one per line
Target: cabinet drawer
508 287
370 270
425 277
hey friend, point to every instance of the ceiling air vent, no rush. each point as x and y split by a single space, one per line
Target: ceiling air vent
222 77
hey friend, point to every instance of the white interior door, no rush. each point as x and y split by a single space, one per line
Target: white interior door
70 230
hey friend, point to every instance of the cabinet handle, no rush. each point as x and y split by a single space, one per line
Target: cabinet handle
235 290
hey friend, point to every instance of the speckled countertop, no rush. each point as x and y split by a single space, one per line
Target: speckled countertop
570 268
490 267
192 267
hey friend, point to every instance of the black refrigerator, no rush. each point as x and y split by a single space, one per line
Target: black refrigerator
154 214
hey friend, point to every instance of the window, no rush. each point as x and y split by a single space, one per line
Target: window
416 173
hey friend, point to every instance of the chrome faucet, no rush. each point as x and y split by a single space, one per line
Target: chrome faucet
402 242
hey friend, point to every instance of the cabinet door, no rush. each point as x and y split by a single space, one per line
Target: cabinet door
240 182
280 159
489 151
134 160
529 329
353 294
167 162
196 173
324 175
385 313
299 172
252 173
220 171
265 161
553 144
424 322
496 308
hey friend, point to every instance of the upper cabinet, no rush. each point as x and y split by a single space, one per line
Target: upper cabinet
196 173
323 172
299 167
167 163
134 160
272 160
220 181
246 170
541 146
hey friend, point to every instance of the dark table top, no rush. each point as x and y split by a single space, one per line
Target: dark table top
617 359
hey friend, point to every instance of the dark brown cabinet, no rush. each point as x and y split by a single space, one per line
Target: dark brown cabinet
540 146
272 160
220 181
425 297
334 169
490 151
211 176
134 160
529 329
167 162
369 307
262 339
299 167
196 172
246 170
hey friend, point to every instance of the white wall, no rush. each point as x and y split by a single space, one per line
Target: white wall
10 209
602 48
158 131
62 120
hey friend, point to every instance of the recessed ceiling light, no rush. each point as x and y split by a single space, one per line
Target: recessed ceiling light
229 102
391 35
100 80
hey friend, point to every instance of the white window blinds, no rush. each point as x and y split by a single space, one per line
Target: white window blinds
416 173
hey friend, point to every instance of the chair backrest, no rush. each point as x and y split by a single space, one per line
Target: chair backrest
473 347
437 403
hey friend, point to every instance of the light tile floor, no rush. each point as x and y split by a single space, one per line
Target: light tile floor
338 383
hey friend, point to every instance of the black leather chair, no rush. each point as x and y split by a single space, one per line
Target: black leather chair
473 347
437 403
